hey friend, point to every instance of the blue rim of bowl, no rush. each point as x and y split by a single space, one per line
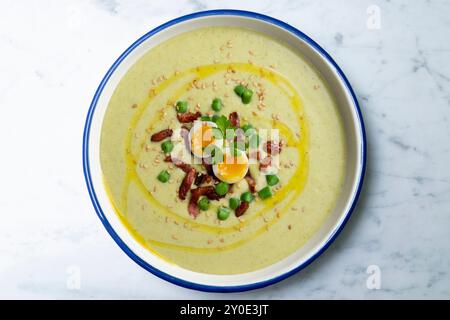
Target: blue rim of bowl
93 196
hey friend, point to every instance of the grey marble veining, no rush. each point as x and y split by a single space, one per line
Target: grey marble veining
54 54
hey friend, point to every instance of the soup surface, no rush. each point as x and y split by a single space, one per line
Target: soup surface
169 118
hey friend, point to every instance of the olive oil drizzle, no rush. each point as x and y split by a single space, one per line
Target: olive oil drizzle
287 193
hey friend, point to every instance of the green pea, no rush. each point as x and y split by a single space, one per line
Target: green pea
247 96
222 188
216 104
247 127
239 90
234 203
182 106
223 213
167 146
203 204
272 179
265 193
247 196
164 176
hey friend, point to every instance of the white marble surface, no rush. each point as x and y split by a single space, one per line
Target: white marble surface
54 54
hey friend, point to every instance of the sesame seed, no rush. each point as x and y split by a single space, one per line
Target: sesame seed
134 106
289 227
143 165
174 237
250 52
209 241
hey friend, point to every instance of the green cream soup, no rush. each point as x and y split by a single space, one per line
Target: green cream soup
282 92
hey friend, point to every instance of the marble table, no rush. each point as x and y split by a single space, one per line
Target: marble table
395 53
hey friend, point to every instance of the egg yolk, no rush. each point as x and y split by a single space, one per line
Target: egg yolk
202 138
236 169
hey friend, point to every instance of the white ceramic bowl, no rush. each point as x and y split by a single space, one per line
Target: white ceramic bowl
354 133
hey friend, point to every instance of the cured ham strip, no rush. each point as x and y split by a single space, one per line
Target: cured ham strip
188 116
179 164
272 148
234 119
265 163
161 135
251 182
186 184
241 209
202 178
183 166
208 167
209 192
